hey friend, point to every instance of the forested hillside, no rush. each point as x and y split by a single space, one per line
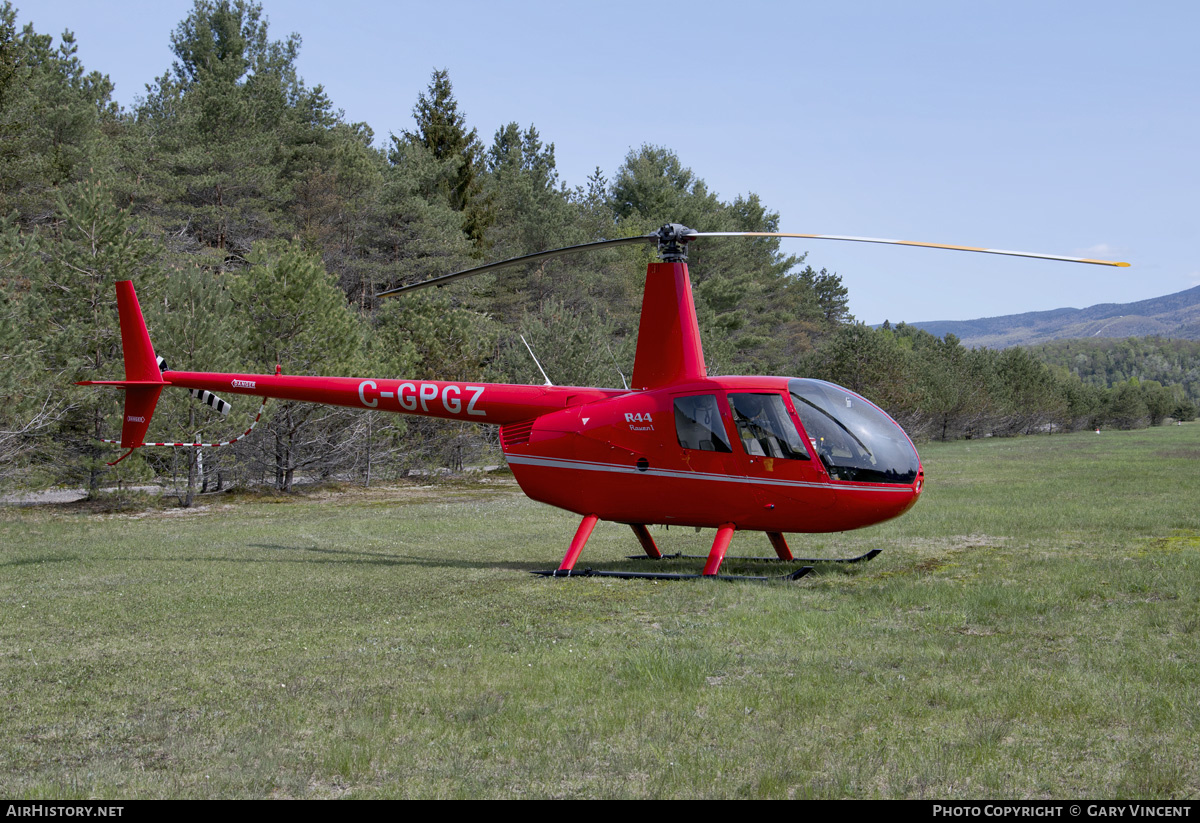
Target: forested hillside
1106 363
259 227
1172 315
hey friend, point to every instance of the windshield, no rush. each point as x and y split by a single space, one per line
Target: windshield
853 437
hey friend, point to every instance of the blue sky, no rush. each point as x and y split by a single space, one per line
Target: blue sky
1060 127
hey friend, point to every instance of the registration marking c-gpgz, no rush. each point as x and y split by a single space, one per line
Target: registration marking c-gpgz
409 395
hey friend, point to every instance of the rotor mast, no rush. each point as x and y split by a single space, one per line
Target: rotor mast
669 349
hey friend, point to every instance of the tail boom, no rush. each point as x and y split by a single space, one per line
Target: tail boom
497 403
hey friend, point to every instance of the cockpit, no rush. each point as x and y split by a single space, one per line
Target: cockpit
853 437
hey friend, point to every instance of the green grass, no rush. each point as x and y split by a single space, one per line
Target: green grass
1031 630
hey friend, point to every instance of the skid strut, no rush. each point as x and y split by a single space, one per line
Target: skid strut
717 554
648 544
581 537
780 545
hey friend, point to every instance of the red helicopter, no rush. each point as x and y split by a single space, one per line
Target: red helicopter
769 454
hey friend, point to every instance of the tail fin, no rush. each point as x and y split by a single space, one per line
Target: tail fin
143 381
140 363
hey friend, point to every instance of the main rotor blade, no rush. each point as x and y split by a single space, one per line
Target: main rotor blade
673 238
516 261
904 243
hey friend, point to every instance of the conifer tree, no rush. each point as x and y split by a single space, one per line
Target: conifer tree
93 245
442 131
53 114
231 130
298 319
30 403
195 328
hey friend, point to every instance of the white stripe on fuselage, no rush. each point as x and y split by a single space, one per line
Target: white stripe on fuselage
585 465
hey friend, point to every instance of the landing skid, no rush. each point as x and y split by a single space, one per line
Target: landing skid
862 558
796 575
712 564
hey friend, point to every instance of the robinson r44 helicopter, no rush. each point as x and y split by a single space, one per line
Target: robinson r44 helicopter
768 454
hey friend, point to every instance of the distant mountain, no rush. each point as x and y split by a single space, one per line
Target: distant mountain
1175 315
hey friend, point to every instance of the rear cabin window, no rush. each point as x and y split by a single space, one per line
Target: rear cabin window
698 424
765 427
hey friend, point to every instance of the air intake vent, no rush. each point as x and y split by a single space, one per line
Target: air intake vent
516 434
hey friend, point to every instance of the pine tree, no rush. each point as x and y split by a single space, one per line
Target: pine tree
30 404
442 131
298 319
231 131
53 114
93 245
196 328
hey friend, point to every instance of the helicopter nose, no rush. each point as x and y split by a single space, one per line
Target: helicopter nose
910 500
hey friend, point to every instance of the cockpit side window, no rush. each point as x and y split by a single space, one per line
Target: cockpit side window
698 424
765 427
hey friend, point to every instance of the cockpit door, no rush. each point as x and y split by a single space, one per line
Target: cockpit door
774 454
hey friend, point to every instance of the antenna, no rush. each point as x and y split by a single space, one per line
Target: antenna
535 360
617 366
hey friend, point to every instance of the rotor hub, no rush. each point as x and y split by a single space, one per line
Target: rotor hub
672 242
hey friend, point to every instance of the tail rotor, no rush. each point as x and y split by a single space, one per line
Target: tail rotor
203 395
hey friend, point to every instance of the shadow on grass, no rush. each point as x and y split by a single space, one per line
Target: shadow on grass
33 561
770 568
384 559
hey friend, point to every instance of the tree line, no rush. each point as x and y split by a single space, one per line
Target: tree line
938 389
260 226
1172 365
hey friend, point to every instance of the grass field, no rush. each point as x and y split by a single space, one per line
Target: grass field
1031 630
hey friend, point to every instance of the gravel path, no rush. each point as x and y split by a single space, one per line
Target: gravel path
58 496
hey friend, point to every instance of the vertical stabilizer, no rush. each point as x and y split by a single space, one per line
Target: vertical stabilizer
141 366
139 408
668 344
143 380
140 362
